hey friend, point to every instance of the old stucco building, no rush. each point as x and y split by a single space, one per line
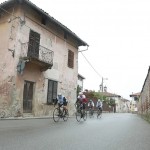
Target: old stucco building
112 97
120 105
134 102
38 59
144 100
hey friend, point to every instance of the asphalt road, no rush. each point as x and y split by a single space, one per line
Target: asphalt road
111 132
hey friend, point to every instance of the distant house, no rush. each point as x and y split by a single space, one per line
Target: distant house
120 105
134 102
111 96
38 59
80 81
124 106
144 101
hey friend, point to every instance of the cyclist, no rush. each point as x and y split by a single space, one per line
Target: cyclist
99 105
81 100
62 101
91 105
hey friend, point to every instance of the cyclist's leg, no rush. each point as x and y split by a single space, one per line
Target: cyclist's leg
89 111
92 110
84 114
60 109
65 114
98 112
79 113
83 107
101 110
83 110
65 110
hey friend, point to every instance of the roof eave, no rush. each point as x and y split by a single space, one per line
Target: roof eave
80 41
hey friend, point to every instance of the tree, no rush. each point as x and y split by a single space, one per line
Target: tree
78 89
95 95
112 102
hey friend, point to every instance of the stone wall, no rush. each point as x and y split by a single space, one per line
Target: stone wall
144 102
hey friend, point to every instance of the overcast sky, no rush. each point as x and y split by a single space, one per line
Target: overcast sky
118 34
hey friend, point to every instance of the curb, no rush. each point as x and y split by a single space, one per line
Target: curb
24 118
27 118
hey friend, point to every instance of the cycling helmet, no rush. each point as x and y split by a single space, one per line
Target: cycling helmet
90 100
59 94
99 100
80 93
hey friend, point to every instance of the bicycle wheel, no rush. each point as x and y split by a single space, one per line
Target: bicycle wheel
65 115
78 116
99 114
91 113
56 115
85 115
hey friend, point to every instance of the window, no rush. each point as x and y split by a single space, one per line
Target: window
52 91
34 43
70 59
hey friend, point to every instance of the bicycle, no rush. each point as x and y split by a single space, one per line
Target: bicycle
80 113
91 112
60 112
99 112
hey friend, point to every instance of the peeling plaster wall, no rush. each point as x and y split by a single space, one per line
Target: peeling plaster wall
32 73
8 105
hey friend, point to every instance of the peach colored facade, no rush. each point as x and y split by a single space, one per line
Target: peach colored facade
51 65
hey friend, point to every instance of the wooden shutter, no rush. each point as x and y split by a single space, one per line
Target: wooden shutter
34 43
55 90
70 59
52 91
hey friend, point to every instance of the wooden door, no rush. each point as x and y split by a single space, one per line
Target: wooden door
28 96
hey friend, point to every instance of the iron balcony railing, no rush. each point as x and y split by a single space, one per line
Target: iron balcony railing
37 52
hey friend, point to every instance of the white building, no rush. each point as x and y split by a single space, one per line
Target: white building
80 81
120 105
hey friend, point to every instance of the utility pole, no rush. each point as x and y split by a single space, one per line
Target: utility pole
102 86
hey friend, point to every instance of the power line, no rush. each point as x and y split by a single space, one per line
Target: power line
92 66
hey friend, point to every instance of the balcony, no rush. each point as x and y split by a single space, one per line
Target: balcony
38 55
